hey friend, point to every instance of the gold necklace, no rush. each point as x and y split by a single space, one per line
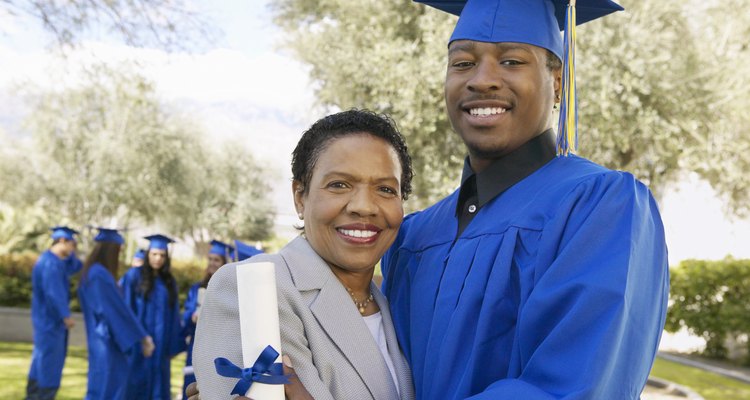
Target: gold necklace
361 305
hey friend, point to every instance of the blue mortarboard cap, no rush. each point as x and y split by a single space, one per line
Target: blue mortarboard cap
109 236
245 251
536 22
159 242
140 254
63 232
221 249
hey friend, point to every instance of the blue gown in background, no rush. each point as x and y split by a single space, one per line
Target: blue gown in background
149 377
73 265
188 329
50 295
556 289
111 330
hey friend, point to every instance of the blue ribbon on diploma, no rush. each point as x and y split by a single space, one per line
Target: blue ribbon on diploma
264 370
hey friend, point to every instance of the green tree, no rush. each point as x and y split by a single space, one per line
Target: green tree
725 158
387 56
107 150
167 24
642 85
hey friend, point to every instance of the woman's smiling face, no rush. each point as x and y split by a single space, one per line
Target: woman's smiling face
352 208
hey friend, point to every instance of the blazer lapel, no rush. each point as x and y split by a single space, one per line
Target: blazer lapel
338 316
403 372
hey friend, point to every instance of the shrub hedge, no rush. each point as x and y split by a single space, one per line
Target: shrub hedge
15 279
712 300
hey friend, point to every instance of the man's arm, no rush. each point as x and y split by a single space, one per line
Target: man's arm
56 291
591 325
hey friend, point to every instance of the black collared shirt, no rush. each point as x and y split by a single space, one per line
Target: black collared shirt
478 189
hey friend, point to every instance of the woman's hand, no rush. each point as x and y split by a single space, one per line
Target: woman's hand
147 346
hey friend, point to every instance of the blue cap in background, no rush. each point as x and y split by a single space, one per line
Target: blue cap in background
221 249
63 232
108 235
159 242
245 251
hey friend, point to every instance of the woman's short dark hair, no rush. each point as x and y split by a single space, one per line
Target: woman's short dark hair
334 126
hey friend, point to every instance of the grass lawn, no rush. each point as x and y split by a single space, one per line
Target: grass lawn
15 359
709 385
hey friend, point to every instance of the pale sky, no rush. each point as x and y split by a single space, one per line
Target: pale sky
249 91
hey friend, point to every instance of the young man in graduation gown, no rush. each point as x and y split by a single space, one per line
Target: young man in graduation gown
50 313
543 276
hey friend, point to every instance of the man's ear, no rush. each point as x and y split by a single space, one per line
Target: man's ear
557 76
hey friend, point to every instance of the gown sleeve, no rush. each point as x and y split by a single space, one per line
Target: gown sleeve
590 326
124 327
54 287
177 343
73 265
191 304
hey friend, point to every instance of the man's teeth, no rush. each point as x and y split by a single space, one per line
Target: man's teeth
358 234
486 111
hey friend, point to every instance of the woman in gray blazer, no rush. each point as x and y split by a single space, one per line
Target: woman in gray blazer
351 174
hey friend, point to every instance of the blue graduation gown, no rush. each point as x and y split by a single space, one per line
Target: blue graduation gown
188 330
49 306
73 265
111 330
149 377
557 289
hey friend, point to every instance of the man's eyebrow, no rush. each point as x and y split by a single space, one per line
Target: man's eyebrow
466 46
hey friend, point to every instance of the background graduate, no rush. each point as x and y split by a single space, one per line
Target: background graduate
151 292
111 327
50 314
219 254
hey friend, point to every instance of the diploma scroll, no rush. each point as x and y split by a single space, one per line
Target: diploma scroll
259 321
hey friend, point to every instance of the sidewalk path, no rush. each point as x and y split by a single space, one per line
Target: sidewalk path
725 369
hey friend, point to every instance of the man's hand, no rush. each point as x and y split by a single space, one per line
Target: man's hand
191 391
293 390
69 322
147 346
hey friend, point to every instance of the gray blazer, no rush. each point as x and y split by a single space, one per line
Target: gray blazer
331 349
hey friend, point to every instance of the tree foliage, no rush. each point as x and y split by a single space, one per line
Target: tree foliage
167 24
712 300
387 56
107 150
644 80
726 65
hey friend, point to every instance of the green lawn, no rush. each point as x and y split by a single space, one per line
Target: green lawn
709 385
16 357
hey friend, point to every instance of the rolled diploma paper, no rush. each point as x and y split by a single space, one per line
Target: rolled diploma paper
259 321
